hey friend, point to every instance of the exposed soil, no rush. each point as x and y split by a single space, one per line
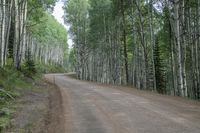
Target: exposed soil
38 111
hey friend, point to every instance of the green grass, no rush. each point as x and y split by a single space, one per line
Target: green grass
12 85
4 122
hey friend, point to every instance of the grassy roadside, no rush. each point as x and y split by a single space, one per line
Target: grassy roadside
15 85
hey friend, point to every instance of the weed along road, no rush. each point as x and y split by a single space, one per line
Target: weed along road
97 108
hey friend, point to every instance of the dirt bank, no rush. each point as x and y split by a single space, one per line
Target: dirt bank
38 111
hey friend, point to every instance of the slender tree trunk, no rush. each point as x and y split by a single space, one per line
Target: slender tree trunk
3 32
1 18
197 48
8 29
124 42
142 39
173 79
152 41
17 35
181 66
184 50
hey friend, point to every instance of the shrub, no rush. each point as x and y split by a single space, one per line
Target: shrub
29 69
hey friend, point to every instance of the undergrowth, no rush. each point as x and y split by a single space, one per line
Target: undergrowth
43 68
12 85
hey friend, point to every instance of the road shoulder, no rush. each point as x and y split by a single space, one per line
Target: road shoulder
38 111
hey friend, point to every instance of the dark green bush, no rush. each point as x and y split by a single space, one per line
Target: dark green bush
29 68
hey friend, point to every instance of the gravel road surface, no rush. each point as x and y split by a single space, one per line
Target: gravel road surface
96 108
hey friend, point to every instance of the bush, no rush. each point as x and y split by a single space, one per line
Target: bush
8 80
29 69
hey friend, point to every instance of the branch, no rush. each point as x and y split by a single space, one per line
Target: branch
2 90
34 7
39 22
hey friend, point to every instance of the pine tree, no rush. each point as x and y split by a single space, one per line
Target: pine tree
160 84
29 65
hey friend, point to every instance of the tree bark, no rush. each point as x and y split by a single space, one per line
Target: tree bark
124 42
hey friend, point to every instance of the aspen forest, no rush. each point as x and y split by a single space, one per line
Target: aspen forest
26 29
32 42
148 44
99 66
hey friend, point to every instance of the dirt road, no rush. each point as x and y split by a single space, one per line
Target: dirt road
96 108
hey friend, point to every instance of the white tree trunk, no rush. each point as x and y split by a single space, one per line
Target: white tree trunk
3 42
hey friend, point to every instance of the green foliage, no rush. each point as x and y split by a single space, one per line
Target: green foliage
72 61
50 32
100 20
29 69
44 68
4 122
44 28
159 75
13 84
10 81
8 76
49 35
76 14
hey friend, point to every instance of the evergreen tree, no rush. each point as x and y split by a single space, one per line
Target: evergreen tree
160 83
29 65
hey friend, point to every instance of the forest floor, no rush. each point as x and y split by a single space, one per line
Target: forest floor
38 111
98 108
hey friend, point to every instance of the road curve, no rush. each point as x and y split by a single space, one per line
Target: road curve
96 108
